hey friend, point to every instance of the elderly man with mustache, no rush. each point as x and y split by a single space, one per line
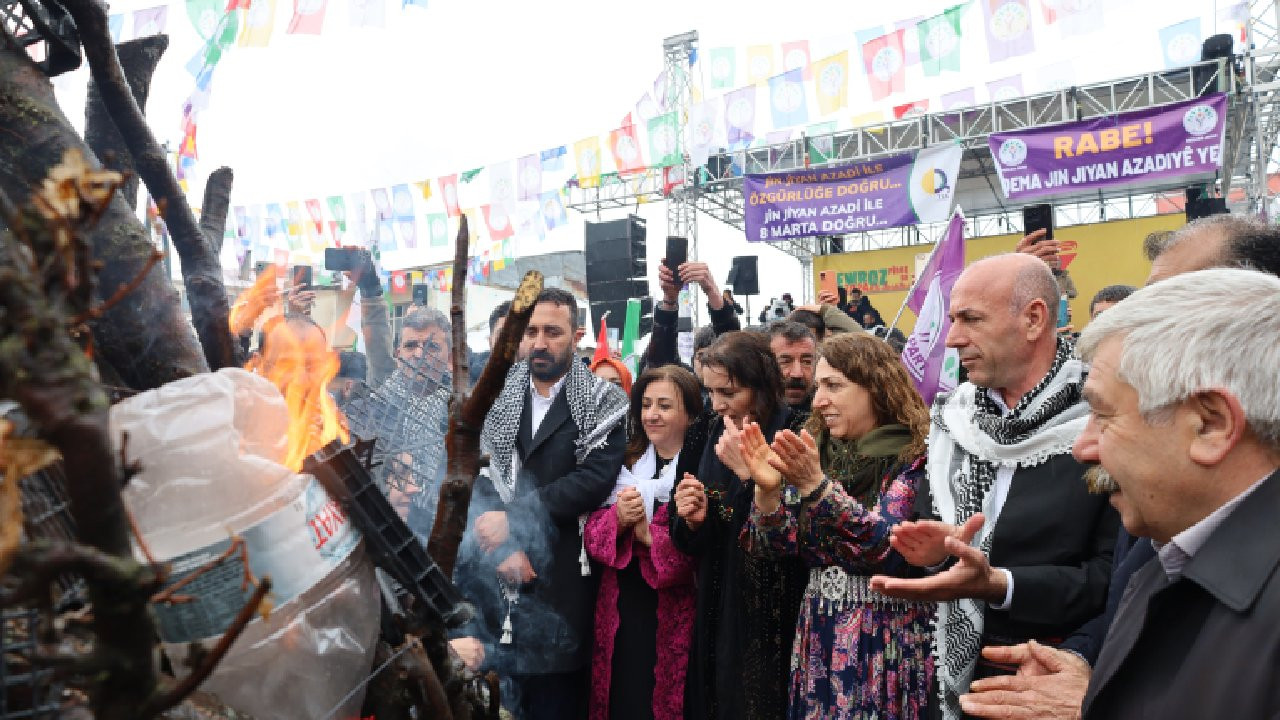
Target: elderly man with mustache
1051 683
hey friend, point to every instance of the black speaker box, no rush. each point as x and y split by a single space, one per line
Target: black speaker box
1204 207
617 240
743 276
614 270
617 290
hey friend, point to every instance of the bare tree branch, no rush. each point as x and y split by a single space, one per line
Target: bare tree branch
138 59
201 268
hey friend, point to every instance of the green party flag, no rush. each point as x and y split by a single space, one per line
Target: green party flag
940 41
821 144
467 176
338 211
724 70
438 227
631 333
664 140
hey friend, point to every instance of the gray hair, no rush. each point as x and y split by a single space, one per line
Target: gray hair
1168 359
424 318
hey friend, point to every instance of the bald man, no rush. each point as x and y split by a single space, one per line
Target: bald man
1016 546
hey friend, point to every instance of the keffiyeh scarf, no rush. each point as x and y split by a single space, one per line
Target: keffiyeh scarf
595 405
969 439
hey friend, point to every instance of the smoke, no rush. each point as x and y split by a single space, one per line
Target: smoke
542 636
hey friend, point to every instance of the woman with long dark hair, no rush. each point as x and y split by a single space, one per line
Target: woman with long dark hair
644 609
855 470
747 605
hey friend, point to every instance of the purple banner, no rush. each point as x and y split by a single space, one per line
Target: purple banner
888 192
1162 145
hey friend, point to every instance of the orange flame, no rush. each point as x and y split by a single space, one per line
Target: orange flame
297 359
251 303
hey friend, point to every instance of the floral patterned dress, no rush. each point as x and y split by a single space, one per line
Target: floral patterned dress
857 655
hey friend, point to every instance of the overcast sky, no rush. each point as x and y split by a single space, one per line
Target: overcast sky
466 83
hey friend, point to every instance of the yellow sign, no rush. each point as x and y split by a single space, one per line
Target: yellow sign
1095 256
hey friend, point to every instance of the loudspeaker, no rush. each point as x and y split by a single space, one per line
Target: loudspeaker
1214 47
1206 206
1217 46
616 271
743 277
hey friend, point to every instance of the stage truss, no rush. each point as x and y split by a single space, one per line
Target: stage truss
1251 81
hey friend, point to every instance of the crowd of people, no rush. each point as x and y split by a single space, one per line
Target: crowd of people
785 529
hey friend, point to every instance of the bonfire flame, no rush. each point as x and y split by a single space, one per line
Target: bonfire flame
297 359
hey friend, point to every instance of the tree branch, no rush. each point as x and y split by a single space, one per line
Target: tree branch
138 59
201 268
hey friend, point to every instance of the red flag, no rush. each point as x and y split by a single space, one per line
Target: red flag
918 107
399 282
625 145
238 5
885 61
308 17
317 215
602 343
449 192
498 221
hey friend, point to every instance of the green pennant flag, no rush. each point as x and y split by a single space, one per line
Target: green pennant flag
438 226
664 140
205 16
338 211
630 334
724 70
821 146
940 41
467 176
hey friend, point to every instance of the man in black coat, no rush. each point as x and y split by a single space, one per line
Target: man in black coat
1191 438
1053 685
1001 476
555 436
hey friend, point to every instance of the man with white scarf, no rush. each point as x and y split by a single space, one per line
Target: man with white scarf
1016 546
555 437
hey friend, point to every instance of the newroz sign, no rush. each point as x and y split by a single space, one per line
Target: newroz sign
1165 145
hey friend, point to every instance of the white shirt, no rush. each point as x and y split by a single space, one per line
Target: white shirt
541 404
1175 554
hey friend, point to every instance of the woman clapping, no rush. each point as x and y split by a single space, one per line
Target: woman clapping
852 475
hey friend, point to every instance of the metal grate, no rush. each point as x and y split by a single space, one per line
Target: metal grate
26 692
45 30
408 416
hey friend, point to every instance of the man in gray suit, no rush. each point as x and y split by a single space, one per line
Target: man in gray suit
1186 419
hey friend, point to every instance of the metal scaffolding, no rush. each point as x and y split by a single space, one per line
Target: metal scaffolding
1251 81
682 211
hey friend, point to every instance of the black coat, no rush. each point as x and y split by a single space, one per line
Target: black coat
1207 645
552 622
747 606
1056 539
1130 555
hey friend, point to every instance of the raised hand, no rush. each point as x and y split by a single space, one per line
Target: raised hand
629 508
691 501
669 283
828 298
756 453
1046 250
699 274
798 459
971 577
922 542
729 450
469 650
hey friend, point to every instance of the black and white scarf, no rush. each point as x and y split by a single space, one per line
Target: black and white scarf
969 439
595 405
